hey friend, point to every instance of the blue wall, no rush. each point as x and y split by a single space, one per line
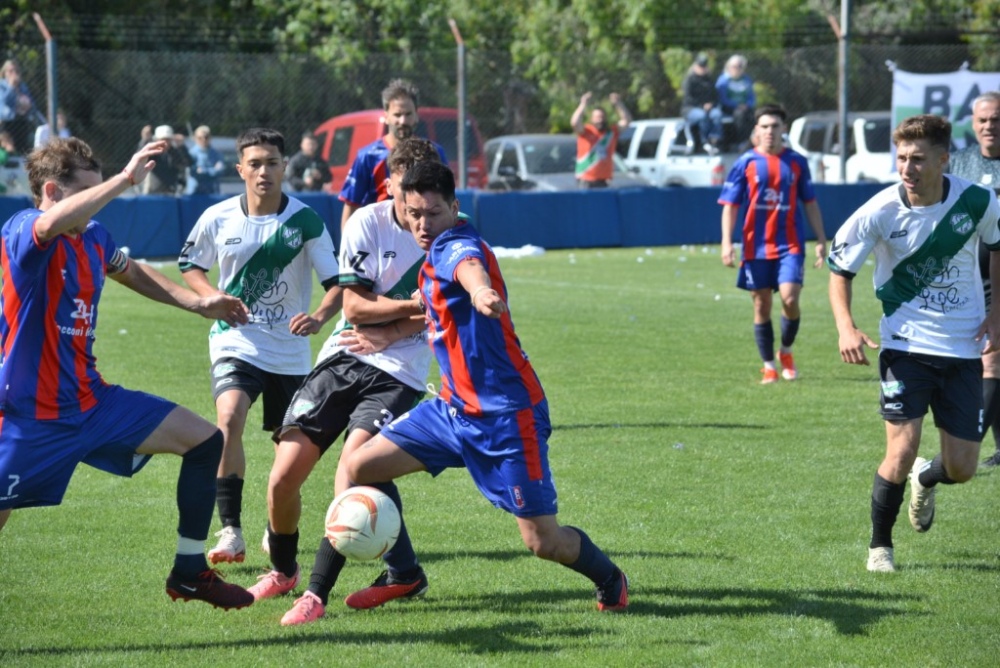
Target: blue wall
156 226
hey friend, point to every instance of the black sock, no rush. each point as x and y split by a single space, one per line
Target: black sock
284 549
230 499
991 409
934 474
592 563
763 334
326 570
887 497
789 330
401 560
195 492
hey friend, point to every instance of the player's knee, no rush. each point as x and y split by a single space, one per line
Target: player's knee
281 488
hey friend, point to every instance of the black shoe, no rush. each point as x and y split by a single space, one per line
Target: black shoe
992 460
613 595
211 588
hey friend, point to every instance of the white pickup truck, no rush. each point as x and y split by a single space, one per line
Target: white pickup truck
869 148
659 150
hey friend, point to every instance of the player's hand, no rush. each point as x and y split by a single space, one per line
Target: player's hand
990 332
728 255
142 163
820 255
852 347
489 303
227 308
303 324
366 340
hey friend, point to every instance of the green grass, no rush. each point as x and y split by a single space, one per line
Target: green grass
740 512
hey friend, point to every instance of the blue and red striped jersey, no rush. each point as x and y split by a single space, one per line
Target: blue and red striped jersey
365 183
484 371
49 316
773 187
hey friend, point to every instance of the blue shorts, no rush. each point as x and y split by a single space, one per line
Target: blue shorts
38 457
764 274
506 455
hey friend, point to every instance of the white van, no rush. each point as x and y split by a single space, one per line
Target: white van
659 151
869 147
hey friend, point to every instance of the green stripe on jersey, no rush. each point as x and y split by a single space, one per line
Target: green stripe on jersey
911 276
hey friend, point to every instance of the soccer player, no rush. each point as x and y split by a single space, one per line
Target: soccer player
980 163
266 244
775 184
491 415
56 410
366 182
596 141
372 368
924 233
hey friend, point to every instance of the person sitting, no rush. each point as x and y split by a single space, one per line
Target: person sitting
306 169
737 97
700 106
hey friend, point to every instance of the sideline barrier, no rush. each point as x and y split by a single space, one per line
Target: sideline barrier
156 226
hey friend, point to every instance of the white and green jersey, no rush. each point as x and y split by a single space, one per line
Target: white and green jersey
267 261
926 265
379 255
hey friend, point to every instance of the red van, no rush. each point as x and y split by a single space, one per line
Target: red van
342 136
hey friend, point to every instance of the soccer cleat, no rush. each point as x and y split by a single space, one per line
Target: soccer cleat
211 588
880 560
613 597
992 460
230 547
770 376
275 583
385 589
921 499
788 370
307 608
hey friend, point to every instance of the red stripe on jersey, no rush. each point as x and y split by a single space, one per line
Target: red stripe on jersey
750 224
459 372
379 177
11 303
793 241
85 279
774 209
47 399
529 437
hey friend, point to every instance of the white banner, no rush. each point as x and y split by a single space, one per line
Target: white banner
948 94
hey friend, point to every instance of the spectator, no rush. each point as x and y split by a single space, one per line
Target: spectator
596 142
206 163
737 97
6 151
306 169
17 108
168 176
365 183
43 134
700 106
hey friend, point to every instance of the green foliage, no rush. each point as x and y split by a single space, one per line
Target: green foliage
740 512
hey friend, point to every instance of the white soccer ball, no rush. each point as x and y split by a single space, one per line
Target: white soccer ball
362 523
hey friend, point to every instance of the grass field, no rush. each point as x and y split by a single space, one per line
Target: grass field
739 512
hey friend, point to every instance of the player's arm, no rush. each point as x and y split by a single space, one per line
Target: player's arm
197 279
304 324
363 307
852 341
367 340
729 213
472 275
577 119
815 219
150 283
68 212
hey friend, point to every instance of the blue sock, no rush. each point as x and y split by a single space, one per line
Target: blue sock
401 559
764 335
196 499
592 563
789 330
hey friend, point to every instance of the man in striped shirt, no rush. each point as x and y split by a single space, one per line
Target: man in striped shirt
775 185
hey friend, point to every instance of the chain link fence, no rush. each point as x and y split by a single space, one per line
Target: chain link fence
109 96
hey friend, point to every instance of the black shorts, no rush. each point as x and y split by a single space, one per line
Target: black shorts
951 386
230 373
343 392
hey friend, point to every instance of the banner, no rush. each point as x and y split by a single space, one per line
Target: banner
948 94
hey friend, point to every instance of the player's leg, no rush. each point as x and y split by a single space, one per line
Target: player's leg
4 516
991 405
763 332
790 277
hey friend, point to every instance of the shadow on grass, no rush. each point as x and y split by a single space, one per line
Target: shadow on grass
660 425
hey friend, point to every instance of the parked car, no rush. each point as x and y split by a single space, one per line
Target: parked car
14 177
541 162
341 137
869 147
660 151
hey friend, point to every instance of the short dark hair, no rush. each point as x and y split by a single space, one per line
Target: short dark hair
59 160
430 177
935 129
397 89
258 136
771 110
409 152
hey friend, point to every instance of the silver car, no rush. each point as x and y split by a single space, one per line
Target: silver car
543 163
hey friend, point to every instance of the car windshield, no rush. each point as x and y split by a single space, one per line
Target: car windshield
878 135
550 156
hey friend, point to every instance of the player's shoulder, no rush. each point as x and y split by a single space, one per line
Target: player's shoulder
220 211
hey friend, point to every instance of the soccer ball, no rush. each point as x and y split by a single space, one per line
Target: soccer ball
362 523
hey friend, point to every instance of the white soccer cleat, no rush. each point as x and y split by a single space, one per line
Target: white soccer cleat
921 509
880 560
230 548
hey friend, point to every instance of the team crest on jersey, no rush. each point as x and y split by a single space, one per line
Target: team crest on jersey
292 236
962 223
